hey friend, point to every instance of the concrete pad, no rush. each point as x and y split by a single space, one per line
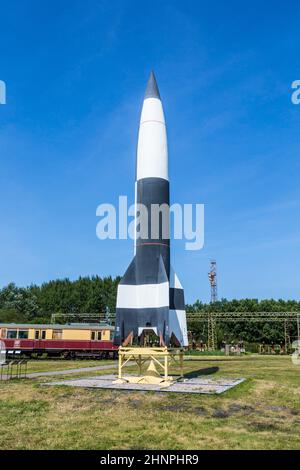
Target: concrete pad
194 385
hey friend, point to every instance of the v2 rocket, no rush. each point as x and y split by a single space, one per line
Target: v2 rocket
150 297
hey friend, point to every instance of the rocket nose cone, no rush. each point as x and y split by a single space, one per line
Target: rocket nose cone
152 88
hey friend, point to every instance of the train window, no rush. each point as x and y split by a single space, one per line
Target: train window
99 335
11 334
23 334
37 334
57 334
43 334
3 333
93 335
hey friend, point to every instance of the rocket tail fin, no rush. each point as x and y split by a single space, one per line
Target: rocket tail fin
177 315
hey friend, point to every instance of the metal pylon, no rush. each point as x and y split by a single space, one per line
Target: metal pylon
211 333
287 343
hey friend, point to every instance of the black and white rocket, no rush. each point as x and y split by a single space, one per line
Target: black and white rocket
150 296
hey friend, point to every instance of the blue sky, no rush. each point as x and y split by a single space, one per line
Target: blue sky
75 75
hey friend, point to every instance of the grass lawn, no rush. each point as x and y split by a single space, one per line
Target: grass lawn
261 413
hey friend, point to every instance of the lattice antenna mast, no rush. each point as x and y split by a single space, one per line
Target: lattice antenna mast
211 325
212 276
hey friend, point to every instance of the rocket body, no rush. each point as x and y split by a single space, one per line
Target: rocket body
150 296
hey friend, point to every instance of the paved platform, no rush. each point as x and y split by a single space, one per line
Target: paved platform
193 385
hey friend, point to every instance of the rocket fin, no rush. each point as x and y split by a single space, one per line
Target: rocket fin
130 273
177 316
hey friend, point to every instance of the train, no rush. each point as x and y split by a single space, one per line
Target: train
75 340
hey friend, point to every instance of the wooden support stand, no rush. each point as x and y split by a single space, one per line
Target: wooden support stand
156 356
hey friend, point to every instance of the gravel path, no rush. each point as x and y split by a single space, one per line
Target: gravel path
70 371
33 375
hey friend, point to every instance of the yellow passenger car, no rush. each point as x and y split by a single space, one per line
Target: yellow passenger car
71 340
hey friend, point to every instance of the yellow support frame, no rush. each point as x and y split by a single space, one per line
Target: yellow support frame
159 356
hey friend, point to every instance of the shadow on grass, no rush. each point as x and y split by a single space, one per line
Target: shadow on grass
197 373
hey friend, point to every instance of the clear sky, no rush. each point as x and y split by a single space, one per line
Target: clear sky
76 72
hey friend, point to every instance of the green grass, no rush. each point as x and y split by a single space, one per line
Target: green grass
192 353
261 413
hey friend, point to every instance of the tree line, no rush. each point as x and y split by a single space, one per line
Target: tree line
250 332
35 304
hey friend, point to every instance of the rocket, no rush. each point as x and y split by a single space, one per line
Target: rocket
150 298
